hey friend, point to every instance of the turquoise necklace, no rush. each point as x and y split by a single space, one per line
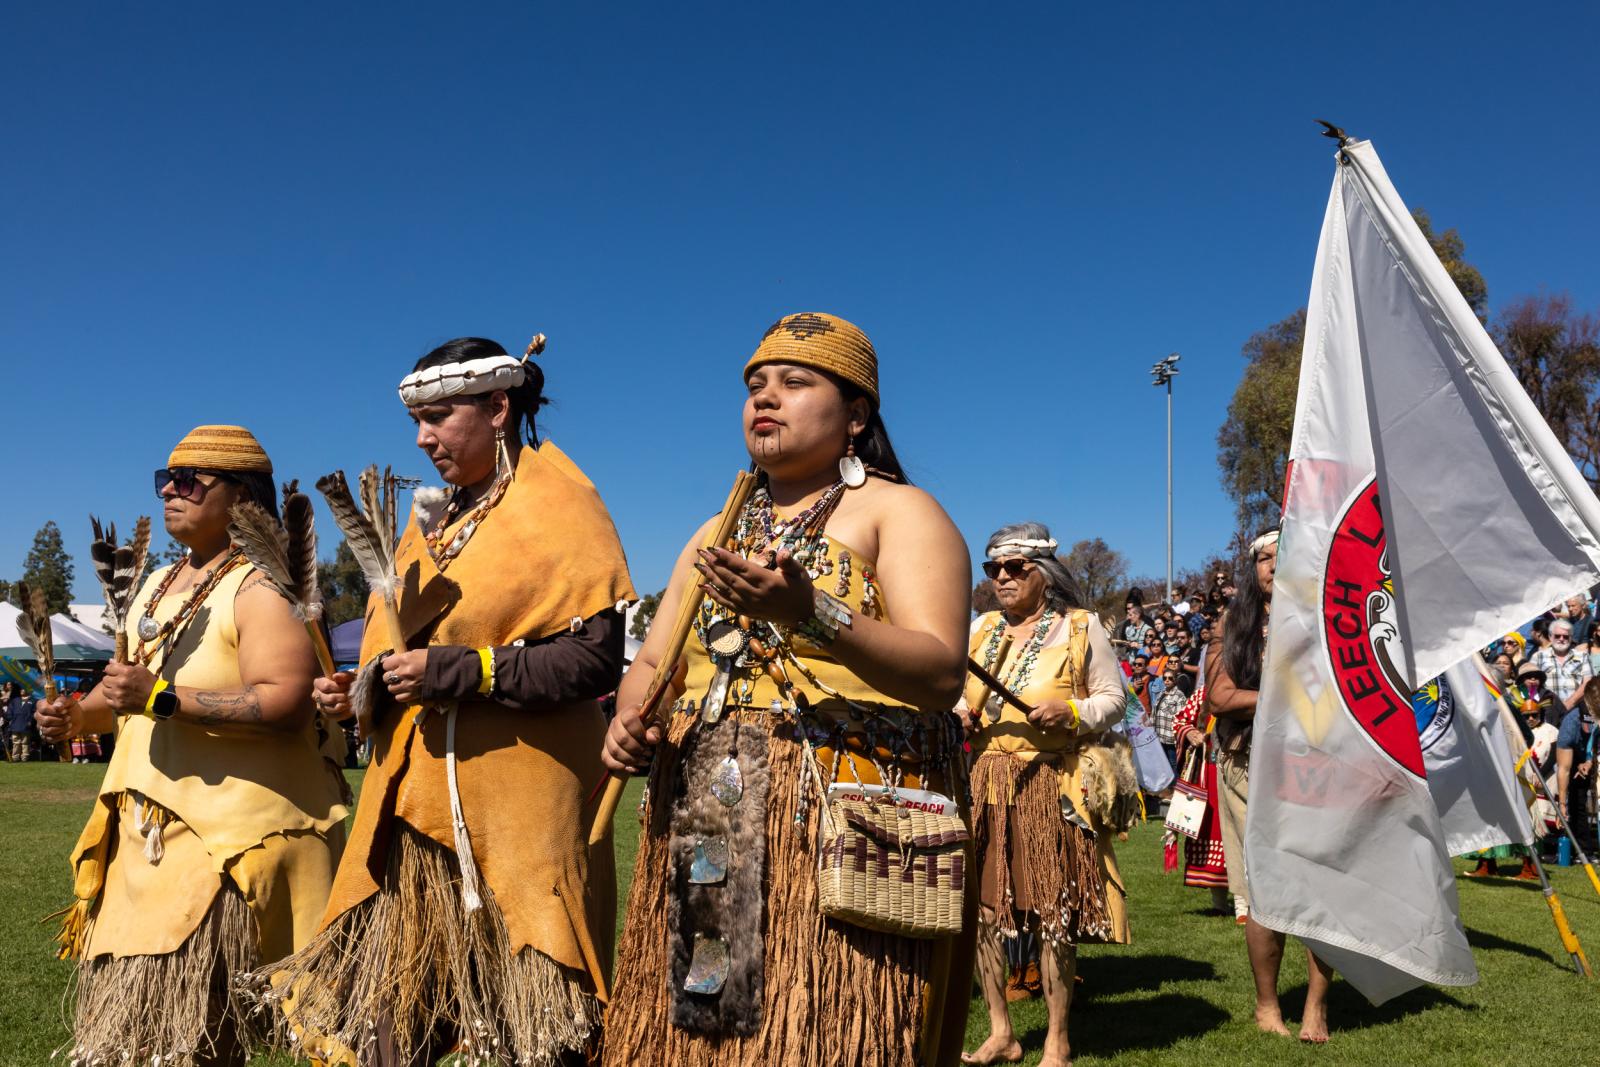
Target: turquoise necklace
1023 671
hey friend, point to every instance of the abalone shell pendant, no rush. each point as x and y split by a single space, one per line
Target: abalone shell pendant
710 866
716 693
148 628
727 781
708 967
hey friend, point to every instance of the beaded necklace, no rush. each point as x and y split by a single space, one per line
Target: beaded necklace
1022 671
167 634
442 557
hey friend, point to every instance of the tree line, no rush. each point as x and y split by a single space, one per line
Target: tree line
1552 347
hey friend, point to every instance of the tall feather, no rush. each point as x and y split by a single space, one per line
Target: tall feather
119 567
264 543
299 522
371 538
34 627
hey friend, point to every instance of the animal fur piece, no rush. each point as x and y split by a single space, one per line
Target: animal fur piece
370 533
119 567
735 908
1110 782
285 552
430 502
34 627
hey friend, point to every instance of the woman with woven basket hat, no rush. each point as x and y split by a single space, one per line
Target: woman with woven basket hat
212 844
812 728
469 913
1045 792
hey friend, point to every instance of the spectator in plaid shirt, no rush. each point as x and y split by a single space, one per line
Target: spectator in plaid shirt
1567 673
1165 713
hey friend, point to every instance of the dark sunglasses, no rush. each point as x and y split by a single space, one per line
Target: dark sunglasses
185 482
1014 568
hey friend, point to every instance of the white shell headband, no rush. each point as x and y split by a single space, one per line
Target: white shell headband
1268 538
468 378
1021 546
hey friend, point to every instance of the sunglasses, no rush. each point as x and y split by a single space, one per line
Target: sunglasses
185 482
1014 568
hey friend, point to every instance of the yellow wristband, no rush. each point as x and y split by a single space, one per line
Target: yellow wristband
1076 718
155 691
486 662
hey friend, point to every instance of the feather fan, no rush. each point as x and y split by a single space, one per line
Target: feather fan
369 533
33 625
119 569
286 553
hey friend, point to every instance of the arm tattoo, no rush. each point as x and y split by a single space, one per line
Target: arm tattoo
228 706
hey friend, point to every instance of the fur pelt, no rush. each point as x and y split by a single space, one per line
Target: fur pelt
1110 782
733 909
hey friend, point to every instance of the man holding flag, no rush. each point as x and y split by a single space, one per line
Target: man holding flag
1387 576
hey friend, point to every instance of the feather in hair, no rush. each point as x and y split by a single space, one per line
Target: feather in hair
373 553
33 625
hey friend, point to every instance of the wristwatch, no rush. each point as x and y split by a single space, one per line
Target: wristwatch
163 703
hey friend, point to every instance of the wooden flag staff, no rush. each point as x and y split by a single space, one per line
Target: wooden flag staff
661 680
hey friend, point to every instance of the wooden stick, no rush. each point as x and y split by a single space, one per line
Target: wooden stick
661 680
320 643
995 685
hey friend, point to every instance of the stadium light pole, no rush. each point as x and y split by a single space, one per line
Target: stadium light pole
1163 373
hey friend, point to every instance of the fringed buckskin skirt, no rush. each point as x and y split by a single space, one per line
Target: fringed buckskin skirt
1034 864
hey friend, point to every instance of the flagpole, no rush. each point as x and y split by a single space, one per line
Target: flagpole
1164 372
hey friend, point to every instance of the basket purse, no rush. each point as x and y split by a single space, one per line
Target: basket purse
1187 810
892 868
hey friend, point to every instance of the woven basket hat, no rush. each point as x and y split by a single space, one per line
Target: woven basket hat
825 342
221 448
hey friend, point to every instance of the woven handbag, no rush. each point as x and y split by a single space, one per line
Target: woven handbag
1187 810
892 868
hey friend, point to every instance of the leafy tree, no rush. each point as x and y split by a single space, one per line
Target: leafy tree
48 567
646 613
1555 353
1253 444
983 598
1101 573
5 590
344 587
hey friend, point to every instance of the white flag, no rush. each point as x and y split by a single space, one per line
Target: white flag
1428 509
1471 769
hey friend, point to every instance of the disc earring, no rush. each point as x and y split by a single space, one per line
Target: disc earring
851 470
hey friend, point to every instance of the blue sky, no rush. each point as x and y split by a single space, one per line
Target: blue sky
263 215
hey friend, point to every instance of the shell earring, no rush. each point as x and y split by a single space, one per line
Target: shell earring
502 458
851 470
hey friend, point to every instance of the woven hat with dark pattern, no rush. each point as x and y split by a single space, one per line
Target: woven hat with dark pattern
826 342
221 448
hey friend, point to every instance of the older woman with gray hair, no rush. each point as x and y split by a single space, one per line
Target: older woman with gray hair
1045 862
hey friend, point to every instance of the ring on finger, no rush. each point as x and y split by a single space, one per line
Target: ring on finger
390 678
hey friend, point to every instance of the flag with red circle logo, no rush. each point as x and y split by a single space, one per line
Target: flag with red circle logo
1428 510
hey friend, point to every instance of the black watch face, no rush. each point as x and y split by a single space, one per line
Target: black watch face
166 703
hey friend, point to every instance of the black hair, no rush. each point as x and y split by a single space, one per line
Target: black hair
259 487
872 445
1243 637
526 399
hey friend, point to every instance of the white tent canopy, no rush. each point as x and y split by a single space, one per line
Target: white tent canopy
73 640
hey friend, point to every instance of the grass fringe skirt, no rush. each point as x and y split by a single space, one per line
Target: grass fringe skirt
832 994
1060 882
409 969
177 1009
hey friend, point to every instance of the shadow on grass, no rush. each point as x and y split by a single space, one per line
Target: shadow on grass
1111 975
1482 939
1349 1010
1140 1024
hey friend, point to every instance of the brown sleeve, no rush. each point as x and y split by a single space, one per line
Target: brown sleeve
540 675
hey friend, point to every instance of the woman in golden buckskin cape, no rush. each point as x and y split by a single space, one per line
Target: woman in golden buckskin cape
837 630
213 843
1046 797
469 911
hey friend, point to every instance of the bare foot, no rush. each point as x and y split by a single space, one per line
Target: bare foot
1050 1058
1270 1020
1314 1026
995 1050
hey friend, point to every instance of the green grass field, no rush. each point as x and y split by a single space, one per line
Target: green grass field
1180 994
